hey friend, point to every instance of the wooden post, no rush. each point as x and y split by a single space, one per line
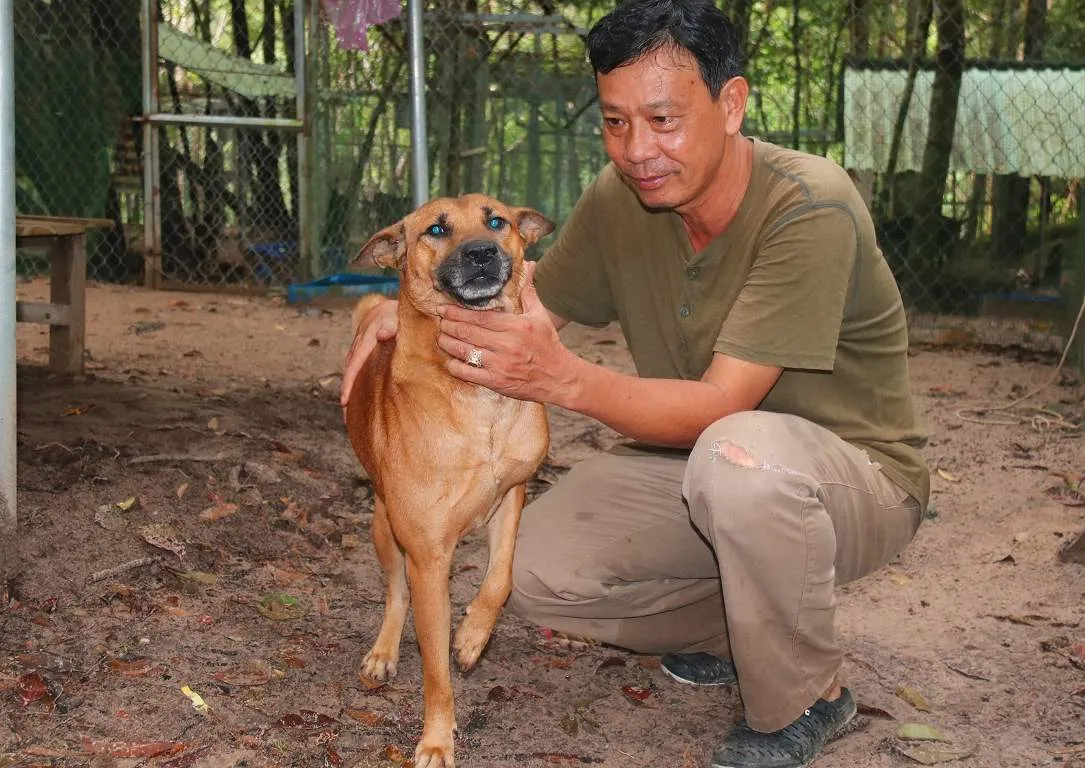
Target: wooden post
68 288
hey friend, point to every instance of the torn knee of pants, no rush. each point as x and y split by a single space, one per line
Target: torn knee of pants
736 454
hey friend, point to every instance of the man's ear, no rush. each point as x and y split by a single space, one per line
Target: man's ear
533 225
385 249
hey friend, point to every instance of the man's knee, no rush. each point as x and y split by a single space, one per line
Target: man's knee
735 470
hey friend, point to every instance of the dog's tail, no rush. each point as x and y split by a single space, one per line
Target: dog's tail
366 303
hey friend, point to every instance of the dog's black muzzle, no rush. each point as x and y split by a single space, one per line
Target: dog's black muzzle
475 273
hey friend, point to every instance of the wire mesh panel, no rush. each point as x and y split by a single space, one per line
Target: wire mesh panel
228 195
510 105
77 87
962 122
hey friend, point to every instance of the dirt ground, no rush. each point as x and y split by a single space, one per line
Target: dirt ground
205 444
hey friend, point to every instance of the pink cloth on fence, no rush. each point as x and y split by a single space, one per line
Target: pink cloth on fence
352 18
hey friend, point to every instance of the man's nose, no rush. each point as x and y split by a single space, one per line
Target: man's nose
640 145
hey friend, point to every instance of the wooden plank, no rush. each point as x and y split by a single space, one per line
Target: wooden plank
46 226
68 287
42 313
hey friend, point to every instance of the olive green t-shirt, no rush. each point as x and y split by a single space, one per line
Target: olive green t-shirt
796 280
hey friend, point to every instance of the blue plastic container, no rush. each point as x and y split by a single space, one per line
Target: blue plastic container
341 285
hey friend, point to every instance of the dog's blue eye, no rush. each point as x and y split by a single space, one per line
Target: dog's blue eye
495 222
437 230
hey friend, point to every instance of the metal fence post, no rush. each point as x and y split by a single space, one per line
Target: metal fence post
152 233
7 271
419 158
308 247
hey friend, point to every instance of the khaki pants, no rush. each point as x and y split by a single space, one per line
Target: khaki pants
734 551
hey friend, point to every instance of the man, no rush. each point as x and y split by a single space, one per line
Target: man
774 444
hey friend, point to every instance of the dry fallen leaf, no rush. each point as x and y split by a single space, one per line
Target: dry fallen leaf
133 749
164 537
181 489
915 698
369 683
220 510
918 732
948 476
280 607
1068 497
934 753
132 667
77 410
251 672
636 694
198 703
365 717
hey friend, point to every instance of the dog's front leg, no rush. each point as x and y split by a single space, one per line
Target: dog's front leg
482 613
380 663
428 568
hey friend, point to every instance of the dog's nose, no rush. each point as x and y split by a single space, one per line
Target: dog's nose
480 254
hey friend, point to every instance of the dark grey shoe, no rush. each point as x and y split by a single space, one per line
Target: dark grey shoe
793 746
698 669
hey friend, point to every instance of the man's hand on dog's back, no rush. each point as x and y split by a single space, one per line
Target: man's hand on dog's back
379 325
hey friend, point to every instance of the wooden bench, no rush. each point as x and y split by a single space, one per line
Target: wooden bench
65 312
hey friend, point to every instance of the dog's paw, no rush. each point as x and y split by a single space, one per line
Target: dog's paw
379 665
471 638
437 753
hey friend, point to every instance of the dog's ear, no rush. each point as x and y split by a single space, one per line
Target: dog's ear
533 225
385 249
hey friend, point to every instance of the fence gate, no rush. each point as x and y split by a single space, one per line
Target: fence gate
224 164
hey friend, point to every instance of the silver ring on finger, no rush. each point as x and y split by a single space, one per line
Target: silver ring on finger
474 357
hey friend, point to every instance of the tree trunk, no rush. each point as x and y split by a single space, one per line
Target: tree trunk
980 182
796 53
942 122
859 27
1010 196
917 42
740 12
858 23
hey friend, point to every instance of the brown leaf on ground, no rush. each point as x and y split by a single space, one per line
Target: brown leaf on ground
133 749
366 717
218 511
132 667
636 693
33 688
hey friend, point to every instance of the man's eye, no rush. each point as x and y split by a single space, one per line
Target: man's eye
495 223
437 230
612 122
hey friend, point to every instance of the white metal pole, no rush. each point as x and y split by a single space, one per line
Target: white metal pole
7 271
417 53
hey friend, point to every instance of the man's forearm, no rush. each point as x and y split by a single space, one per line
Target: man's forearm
663 412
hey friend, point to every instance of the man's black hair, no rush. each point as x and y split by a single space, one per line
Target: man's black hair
636 28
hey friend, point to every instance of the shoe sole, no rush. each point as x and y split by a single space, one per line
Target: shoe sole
687 681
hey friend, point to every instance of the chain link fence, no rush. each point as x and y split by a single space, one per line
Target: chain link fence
962 122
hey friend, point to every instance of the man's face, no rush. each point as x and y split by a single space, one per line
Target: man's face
662 128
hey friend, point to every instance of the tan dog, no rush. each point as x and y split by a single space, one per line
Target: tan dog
445 456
